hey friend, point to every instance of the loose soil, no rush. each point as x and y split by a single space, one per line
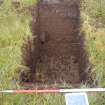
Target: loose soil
55 53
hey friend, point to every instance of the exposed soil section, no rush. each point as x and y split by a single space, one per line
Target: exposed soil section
56 52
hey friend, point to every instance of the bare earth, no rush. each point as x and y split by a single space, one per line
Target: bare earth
59 54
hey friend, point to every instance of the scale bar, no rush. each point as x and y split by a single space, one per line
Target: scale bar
54 91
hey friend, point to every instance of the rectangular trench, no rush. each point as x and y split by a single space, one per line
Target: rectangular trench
59 55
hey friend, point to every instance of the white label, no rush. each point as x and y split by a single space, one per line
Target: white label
76 99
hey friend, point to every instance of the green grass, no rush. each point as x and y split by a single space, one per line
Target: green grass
33 99
93 20
94 30
14 27
95 46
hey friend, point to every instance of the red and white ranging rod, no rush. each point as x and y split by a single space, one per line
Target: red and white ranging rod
54 91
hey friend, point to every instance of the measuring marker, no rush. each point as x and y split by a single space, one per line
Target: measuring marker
54 91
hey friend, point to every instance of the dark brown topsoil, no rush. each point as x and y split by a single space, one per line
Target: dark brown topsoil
55 53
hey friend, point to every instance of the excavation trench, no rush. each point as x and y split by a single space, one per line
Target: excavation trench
55 53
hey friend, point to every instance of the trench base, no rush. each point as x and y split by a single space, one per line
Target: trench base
62 58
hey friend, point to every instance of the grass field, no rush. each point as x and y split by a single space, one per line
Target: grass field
14 27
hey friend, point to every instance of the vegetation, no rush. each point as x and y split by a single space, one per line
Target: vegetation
94 29
14 28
